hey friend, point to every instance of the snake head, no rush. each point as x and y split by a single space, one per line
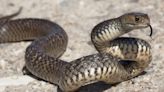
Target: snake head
135 20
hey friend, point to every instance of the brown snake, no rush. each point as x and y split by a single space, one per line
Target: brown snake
119 59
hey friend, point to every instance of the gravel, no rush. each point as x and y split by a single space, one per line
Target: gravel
78 17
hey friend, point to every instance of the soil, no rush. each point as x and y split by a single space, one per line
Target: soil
78 17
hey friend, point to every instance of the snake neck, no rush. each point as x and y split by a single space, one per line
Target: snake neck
105 32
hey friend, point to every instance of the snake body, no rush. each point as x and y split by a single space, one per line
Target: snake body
50 42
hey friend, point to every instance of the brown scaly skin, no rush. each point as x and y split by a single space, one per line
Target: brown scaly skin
50 41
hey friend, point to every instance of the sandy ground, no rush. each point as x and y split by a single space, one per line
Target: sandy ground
78 17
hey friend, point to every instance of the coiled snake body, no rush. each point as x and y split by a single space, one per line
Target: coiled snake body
50 42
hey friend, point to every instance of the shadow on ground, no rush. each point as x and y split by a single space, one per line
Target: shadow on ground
94 87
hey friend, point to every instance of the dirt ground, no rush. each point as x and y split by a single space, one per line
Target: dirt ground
78 17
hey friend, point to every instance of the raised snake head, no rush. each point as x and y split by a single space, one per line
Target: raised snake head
135 20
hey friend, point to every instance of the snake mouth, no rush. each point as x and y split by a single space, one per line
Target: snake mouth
151 30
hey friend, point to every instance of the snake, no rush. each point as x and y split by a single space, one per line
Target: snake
118 58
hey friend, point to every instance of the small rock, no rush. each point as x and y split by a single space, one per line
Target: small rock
3 64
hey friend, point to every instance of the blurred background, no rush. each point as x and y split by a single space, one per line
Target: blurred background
78 17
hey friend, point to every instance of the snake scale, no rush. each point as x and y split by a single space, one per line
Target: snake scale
119 58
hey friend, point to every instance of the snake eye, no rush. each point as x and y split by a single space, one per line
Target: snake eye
137 19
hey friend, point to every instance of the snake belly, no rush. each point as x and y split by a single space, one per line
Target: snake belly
49 42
